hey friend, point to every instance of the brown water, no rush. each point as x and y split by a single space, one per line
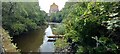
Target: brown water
31 41
35 41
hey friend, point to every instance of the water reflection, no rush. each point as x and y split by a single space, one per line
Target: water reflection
47 46
30 41
35 41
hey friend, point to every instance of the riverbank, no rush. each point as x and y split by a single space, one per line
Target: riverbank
7 45
61 45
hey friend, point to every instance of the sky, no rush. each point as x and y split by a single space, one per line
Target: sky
45 4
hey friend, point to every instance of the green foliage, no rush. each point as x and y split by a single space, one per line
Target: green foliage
60 43
56 17
19 17
84 22
113 24
60 29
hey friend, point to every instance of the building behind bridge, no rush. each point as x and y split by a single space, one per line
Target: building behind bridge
53 9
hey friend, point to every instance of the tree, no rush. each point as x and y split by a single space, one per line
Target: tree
19 17
84 25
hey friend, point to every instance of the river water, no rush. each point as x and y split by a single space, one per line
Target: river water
35 41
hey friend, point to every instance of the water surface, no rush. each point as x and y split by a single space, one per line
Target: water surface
35 41
31 41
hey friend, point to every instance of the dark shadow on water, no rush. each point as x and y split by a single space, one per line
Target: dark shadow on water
31 41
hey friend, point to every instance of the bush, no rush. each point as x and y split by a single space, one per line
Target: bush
60 29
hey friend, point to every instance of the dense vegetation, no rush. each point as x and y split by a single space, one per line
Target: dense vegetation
19 17
56 17
94 28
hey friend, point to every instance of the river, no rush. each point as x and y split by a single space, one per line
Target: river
35 41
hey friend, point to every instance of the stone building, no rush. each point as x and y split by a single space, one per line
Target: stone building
53 9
